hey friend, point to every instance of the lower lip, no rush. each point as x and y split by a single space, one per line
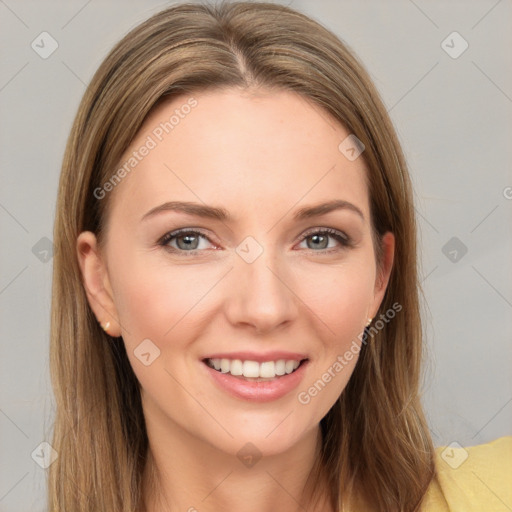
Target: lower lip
263 391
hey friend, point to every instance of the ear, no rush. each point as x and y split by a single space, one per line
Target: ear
383 272
96 282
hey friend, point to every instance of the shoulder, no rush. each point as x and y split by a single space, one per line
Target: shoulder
473 478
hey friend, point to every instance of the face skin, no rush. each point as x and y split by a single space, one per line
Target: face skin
261 156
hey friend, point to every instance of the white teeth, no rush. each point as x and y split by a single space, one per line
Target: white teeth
267 370
236 367
253 369
280 367
224 365
289 366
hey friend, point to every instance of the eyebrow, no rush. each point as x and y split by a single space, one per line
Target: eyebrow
221 214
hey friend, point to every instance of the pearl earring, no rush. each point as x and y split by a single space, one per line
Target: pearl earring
105 327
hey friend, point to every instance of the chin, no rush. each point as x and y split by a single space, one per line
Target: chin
264 434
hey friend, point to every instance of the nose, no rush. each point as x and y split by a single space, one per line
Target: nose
260 294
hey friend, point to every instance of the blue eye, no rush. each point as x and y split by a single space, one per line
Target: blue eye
192 242
186 240
320 238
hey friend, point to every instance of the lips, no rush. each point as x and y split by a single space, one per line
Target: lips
260 357
256 377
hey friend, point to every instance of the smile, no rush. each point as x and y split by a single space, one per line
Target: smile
272 377
252 369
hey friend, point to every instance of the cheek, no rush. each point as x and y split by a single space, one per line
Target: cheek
151 297
156 303
156 300
340 299
339 296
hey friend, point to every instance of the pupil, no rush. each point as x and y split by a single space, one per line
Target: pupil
316 239
190 241
187 239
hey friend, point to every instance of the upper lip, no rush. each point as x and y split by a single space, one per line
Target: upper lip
259 357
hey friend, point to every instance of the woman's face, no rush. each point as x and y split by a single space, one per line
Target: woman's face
252 279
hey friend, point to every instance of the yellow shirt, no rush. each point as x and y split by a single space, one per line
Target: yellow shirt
472 479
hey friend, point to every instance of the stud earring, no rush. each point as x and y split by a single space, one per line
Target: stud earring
369 322
105 327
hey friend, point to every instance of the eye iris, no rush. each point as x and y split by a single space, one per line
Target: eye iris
191 241
316 238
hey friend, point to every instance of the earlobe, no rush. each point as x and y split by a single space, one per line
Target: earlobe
96 283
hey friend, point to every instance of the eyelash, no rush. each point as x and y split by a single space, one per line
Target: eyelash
343 239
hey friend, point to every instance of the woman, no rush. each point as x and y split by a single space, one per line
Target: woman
235 318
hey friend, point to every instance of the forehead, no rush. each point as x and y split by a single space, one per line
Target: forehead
256 150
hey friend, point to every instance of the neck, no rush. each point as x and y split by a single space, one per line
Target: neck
184 473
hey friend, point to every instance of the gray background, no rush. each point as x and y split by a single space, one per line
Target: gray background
453 116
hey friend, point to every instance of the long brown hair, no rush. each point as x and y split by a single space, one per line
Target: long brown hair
375 438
